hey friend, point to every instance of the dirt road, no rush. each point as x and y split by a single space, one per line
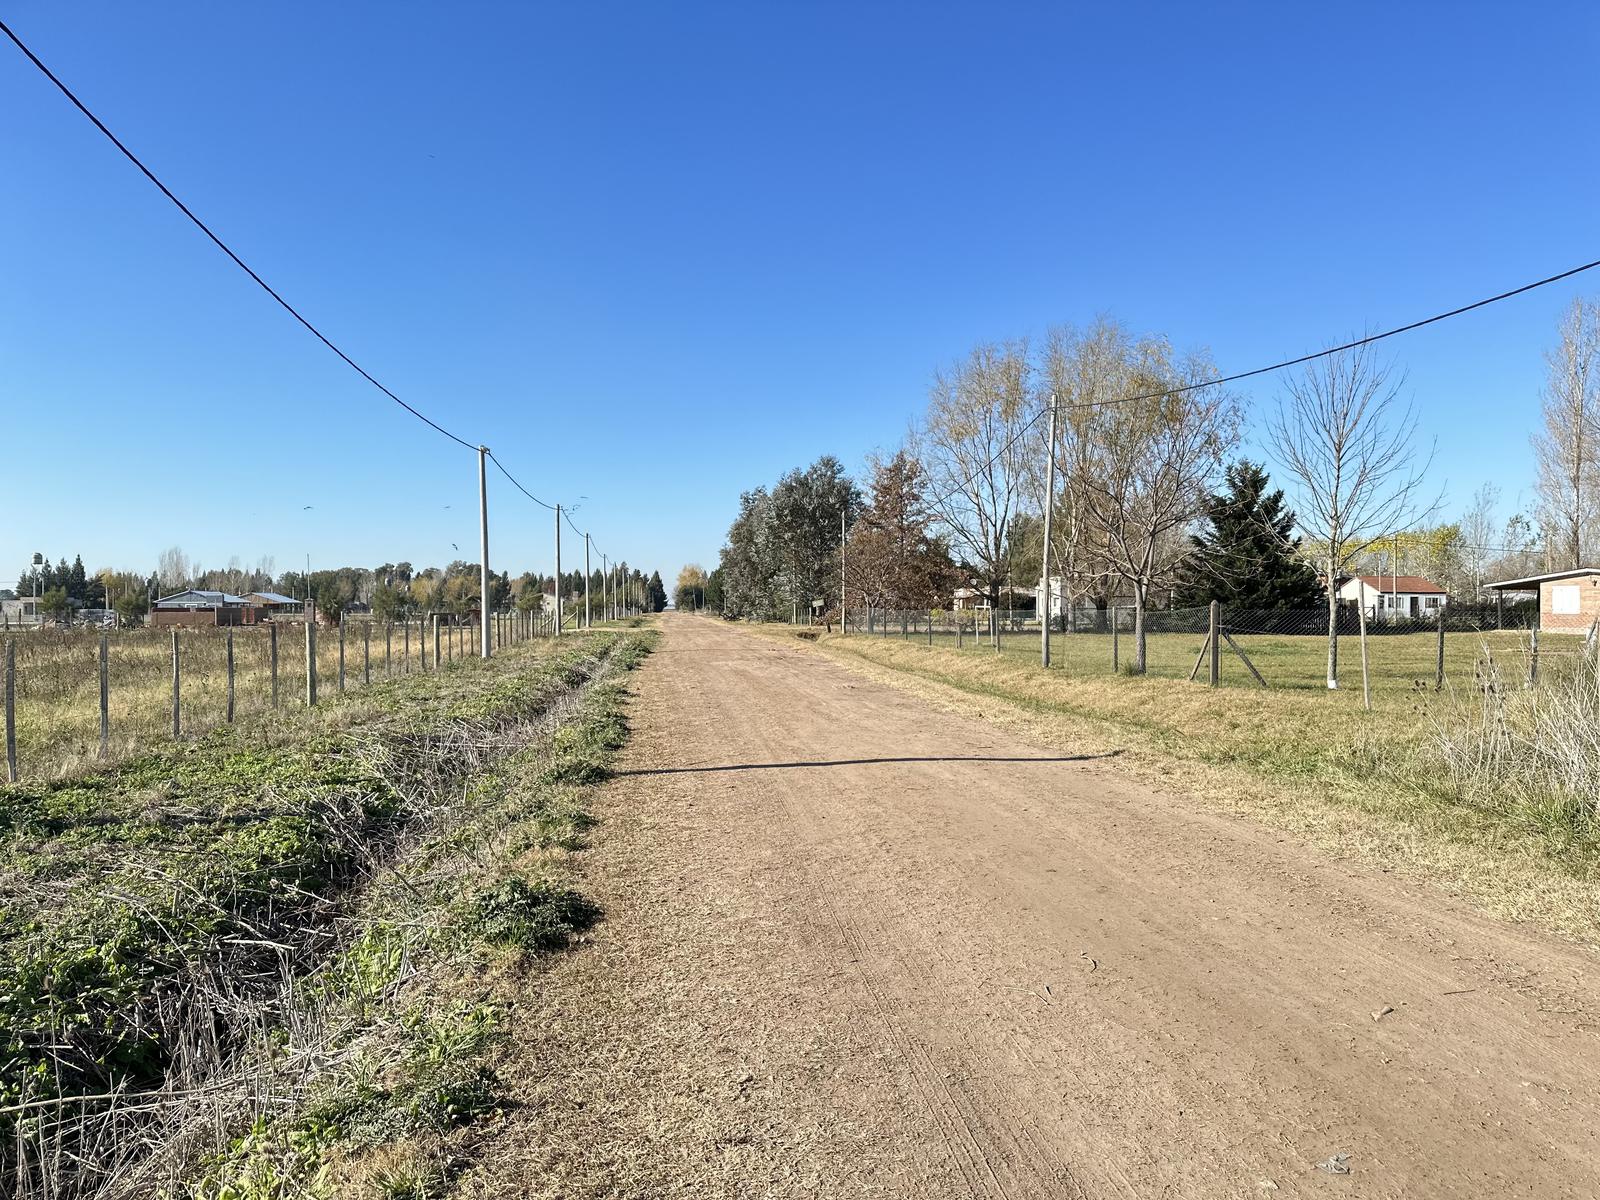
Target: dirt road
859 948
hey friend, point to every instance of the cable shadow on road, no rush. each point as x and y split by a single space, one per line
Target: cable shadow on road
870 762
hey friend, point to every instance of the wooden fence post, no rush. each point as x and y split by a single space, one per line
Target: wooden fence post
1533 655
341 652
311 659
436 643
272 657
105 696
388 646
11 709
1216 648
405 658
177 688
366 652
1438 682
230 677
1115 650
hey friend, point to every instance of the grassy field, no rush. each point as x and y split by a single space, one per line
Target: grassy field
280 932
1395 662
1379 786
58 696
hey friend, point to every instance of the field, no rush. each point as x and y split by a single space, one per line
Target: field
1396 662
233 958
57 682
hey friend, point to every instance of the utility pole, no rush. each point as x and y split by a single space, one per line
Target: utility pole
844 625
1049 504
588 617
605 588
558 570
483 547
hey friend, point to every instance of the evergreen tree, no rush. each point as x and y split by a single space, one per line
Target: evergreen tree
78 582
1247 554
658 592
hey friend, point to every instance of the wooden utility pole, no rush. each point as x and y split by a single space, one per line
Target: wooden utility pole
1049 504
844 624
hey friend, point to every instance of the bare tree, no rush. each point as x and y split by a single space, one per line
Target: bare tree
974 452
1568 448
1144 458
1478 534
1344 435
172 568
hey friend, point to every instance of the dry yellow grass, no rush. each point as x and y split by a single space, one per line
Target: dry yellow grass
58 697
1363 785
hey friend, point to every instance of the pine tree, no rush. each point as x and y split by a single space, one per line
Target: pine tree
1247 555
77 582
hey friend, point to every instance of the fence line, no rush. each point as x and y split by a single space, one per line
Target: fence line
1251 647
71 694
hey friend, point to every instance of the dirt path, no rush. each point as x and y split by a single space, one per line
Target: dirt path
858 948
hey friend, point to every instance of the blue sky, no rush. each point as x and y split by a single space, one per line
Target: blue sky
657 254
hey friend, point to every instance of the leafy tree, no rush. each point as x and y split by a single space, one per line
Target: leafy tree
716 592
389 603
1247 555
131 608
54 603
893 559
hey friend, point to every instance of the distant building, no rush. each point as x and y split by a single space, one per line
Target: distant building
275 603
1393 597
198 607
23 611
1569 601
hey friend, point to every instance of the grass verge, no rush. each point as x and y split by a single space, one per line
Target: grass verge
199 940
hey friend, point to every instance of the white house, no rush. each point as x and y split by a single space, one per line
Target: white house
1393 597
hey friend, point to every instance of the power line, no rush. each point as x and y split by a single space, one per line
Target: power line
220 244
517 485
1277 366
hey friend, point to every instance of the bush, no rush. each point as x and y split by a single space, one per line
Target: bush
531 916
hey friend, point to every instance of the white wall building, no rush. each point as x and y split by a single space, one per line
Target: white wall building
1393 597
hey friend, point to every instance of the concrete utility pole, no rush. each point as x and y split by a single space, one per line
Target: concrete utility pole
605 588
558 570
483 548
588 617
1049 503
844 627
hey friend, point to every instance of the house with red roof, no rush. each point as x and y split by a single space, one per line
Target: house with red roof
1393 597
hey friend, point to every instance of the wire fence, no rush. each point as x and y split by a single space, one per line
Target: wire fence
74 696
1274 648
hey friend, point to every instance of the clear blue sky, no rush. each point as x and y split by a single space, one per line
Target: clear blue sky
656 254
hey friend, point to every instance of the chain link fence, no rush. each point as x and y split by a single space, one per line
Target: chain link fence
1275 648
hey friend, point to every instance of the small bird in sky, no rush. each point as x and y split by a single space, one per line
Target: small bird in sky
308 508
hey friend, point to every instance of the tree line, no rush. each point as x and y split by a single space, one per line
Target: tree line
1153 504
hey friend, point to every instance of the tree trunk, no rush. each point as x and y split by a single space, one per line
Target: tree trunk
1333 627
1139 660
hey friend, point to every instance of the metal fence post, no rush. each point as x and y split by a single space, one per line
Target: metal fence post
436 643
1366 683
1115 649
105 696
272 656
1533 656
388 646
405 658
1438 682
11 709
177 689
230 677
341 652
366 652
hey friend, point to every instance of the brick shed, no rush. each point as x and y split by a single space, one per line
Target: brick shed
1569 601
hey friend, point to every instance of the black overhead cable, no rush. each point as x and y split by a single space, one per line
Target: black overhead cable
220 244
246 268
1277 366
517 485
